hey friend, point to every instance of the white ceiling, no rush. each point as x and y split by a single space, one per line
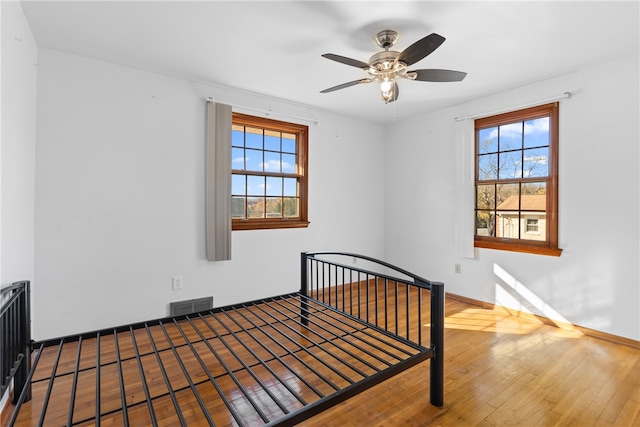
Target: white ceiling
273 47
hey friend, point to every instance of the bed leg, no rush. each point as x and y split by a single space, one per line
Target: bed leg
437 344
304 289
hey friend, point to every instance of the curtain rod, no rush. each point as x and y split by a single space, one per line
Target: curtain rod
517 107
314 120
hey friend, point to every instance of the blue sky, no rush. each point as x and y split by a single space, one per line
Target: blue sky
276 155
514 137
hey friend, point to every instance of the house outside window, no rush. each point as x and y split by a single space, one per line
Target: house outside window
268 173
532 226
516 181
511 218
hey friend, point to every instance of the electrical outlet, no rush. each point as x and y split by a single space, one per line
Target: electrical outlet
458 269
177 283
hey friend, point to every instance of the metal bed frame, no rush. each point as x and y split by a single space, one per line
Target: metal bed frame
273 361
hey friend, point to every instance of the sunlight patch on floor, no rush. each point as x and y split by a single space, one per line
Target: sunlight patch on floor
482 319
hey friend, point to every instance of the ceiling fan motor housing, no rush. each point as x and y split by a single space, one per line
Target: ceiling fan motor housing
383 65
381 58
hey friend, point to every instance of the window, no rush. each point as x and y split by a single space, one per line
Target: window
268 173
516 181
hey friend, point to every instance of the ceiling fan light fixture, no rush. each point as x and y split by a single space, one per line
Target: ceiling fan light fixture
387 97
387 88
386 85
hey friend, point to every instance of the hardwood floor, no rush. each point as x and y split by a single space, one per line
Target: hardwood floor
500 370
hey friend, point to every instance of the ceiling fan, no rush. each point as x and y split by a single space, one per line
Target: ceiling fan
384 67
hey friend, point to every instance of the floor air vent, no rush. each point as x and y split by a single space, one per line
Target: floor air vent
179 308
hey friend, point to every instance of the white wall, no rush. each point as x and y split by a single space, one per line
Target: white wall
17 146
120 191
595 282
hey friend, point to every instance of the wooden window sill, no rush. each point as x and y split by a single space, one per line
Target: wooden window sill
268 224
518 247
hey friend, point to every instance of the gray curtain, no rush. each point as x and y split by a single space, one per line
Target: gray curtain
218 182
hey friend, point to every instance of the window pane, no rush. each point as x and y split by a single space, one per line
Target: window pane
291 207
507 225
508 197
488 166
533 202
253 159
510 165
238 183
534 188
486 196
288 163
237 136
253 138
288 143
255 207
237 158
536 132
532 226
485 223
274 186
290 187
488 140
255 185
272 141
237 207
274 207
536 162
271 161
511 136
